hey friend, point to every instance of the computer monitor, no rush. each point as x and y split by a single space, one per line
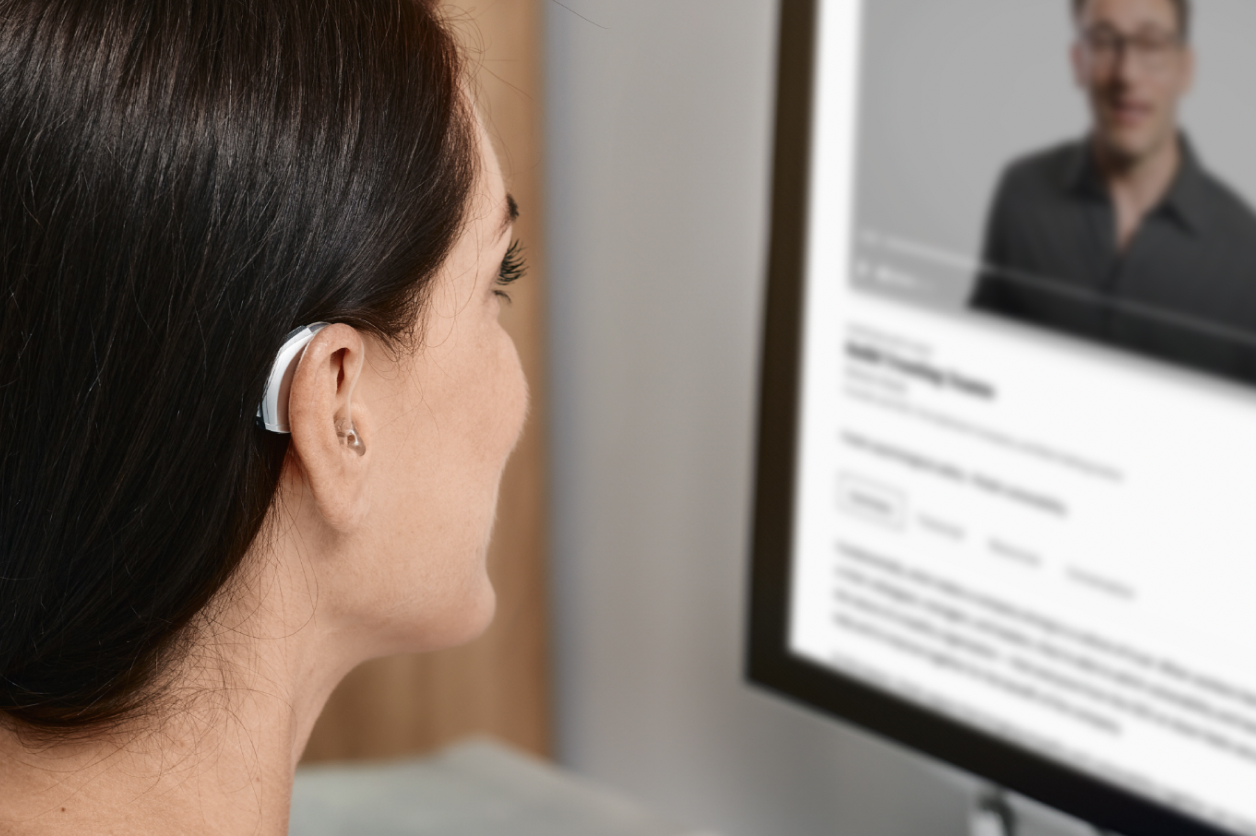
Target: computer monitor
1006 490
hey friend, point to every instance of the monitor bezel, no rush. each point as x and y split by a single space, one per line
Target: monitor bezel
769 662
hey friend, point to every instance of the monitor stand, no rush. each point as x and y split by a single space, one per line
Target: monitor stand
992 815
996 812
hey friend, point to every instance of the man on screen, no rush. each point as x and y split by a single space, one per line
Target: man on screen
1123 236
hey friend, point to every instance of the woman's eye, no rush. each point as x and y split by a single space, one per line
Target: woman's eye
513 268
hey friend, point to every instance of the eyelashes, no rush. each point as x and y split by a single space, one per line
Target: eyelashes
513 268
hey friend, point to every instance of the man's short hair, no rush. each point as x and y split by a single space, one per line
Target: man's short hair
1182 7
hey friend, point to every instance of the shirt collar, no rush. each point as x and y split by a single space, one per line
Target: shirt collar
1185 201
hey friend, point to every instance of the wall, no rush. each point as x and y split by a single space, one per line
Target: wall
659 122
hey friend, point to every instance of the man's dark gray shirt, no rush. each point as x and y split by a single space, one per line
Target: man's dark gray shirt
1184 289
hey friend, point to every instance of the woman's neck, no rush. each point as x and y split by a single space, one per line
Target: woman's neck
231 778
220 761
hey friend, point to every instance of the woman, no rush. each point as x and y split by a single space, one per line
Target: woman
181 186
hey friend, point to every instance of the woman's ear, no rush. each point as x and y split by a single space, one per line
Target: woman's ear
331 434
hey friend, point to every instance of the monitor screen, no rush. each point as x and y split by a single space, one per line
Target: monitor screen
1006 505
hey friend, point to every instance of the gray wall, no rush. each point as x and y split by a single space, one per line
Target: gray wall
659 116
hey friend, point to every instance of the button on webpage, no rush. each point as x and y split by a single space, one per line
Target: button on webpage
872 502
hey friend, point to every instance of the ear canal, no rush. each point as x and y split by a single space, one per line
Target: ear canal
354 441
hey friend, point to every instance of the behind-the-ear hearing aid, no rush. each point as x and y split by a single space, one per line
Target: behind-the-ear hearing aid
272 412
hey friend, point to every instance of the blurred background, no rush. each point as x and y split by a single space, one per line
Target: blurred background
636 135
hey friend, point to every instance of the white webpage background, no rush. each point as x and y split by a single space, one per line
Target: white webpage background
1179 525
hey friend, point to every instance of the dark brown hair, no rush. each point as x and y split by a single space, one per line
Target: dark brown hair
180 185
1182 7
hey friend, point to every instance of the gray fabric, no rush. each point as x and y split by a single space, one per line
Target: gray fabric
1183 290
475 789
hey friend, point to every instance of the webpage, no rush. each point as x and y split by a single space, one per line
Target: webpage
1027 482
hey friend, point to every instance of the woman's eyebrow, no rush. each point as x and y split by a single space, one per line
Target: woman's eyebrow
512 214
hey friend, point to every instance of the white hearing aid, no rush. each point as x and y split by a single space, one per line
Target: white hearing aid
272 412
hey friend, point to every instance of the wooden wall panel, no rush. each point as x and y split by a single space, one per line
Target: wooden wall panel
499 684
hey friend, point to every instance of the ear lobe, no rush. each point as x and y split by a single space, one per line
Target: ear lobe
1189 75
321 413
1075 58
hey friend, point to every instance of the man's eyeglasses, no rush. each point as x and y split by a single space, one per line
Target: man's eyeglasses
1152 50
